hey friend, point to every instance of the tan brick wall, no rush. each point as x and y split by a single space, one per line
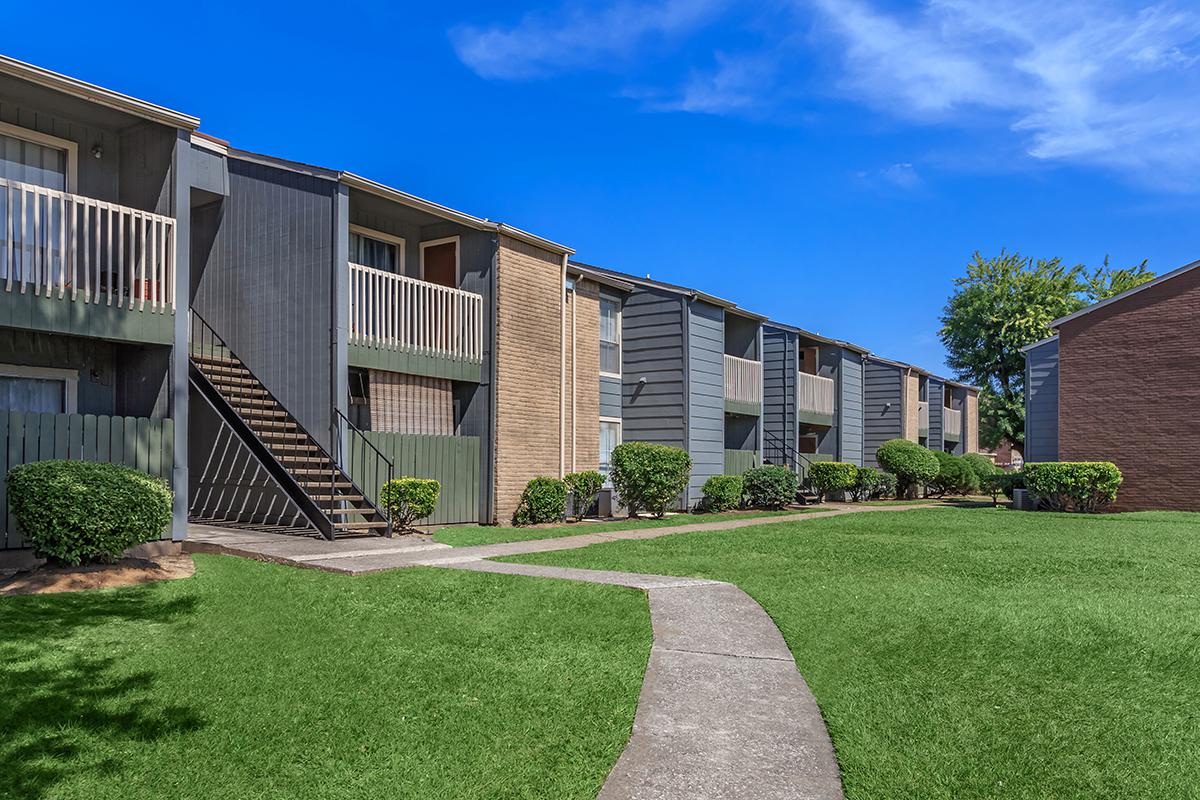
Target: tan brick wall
411 404
971 423
529 305
583 378
912 408
1129 390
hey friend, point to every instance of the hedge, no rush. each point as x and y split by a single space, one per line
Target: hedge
1084 486
77 511
410 499
583 486
866 482
955 475
828 477
544 500
649 477
912 464
722 492
770 486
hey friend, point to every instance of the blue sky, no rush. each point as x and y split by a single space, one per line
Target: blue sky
831 163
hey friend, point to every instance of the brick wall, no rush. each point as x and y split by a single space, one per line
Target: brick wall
411 404
583 378
1129 392
528 357
971 423
912 410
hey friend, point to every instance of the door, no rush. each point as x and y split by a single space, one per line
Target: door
439 262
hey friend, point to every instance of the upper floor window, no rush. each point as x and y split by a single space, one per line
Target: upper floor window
377 250
37 158
610 337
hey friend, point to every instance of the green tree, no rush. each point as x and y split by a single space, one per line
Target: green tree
1001 305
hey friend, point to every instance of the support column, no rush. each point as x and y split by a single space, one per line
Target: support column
181 206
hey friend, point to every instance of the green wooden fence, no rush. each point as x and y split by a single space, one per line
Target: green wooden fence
738 461
451 460
25 437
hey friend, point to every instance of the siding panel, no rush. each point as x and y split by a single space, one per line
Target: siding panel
1041 402
706 395
882 386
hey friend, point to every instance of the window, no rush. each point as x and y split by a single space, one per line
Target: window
377 250
610 437
610 337
36 158
40 389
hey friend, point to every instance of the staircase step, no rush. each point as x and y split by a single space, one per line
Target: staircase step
317 459
351 512
313 471
251 402
241 391
291 448
219 369
330 498
261 427
216 360
274 413
359 526
230 380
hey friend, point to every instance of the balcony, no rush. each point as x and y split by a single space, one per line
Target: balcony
951 425
408 325
77 265
922 418
814 399
743 386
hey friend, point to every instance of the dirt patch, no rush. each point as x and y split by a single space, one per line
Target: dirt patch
126 572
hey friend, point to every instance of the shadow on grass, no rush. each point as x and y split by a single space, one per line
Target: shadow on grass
64 710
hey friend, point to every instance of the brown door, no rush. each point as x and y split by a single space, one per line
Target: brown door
806 444
439 263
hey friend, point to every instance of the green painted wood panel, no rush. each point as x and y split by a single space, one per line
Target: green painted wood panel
738 461
395 360
97 320
453 461
146 444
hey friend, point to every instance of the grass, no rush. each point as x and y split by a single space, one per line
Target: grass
468 535
977 653
259 681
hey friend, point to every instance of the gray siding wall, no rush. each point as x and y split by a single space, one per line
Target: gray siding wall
936 403
1041 403
881 407
267 287
610 397
652 368
98 177
706 394
779 384
849 418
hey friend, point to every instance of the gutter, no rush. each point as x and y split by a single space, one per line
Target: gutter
562 375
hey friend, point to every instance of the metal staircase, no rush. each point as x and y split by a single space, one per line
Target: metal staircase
315 481
778 451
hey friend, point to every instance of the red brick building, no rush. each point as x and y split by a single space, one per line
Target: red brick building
1129 390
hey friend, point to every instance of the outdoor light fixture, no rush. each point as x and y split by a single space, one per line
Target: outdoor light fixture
97 151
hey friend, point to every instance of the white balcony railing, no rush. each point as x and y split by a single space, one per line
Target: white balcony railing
58 244
743 380
952 423
814 394
923 415
403 313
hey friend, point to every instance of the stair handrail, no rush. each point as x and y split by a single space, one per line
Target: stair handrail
769 438
356 434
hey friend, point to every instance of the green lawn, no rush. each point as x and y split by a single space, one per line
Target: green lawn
467 535
259 681
978 653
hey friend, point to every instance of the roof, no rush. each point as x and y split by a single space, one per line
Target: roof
901 364
839 342
1036 345
683 291
599 277
1126 294
96 94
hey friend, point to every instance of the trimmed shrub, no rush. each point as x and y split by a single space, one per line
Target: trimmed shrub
1013 480
981 465
770 486
955 476
913 465
77 511
544 500
996 484
1084 486
866 481
409 499
886 486
722 493
583 486
828 477
649 477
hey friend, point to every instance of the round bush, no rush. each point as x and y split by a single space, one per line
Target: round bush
649 477
770 486
866 481
955 476
913 465
722 492
409 499
828 477
981 465
583 486
886 487
77 511
544 500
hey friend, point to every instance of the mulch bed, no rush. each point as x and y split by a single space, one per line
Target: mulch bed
126 572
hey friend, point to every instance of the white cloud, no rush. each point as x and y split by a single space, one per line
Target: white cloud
578 36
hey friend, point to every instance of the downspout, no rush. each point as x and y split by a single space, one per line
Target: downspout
490 490
562 373
574 374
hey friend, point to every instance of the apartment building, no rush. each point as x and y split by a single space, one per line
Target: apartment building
902 401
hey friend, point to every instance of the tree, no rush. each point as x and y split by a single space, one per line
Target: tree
1001 305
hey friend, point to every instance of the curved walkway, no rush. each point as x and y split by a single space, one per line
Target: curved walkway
723 711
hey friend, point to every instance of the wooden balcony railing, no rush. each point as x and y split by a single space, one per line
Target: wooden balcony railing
743 380
403 313
814 394
952 424
58 244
